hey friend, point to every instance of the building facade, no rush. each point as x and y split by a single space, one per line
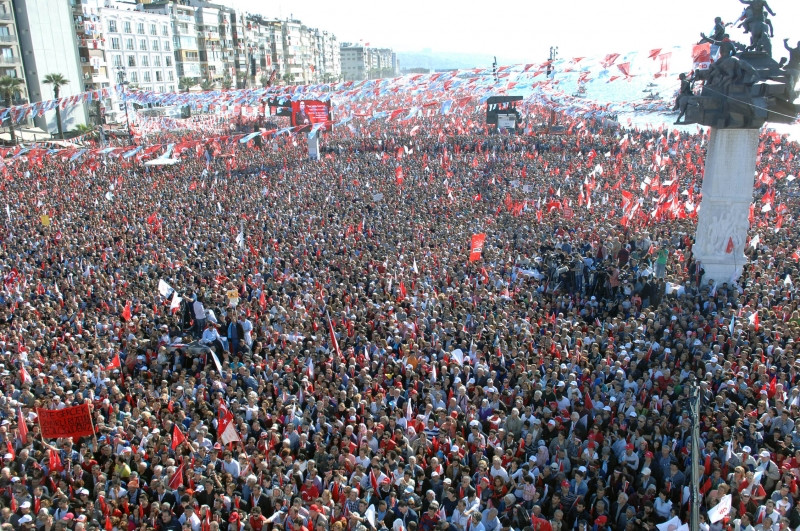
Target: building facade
359 61
10 52
48 45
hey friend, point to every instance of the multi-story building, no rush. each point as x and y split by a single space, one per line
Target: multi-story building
328 67
212 67
123 43
10 55
48 45
184 36
262 37
359 62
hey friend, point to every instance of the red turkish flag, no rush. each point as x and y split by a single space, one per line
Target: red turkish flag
115 361
177 478
226 429
22 427
729 247
333 340
126 312
177 437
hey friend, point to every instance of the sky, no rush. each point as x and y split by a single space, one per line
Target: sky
522 31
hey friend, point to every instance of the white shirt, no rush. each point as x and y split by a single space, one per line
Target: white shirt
199 310
194 521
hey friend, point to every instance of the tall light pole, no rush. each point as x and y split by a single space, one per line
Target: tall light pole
124 83
694 409
551 58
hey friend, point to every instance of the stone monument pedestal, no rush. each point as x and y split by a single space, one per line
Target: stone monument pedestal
727 194
313 146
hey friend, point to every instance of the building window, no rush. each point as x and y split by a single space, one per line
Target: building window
164 30
146 76
140 28
153 30
166 46
145 61
167 60
117 60
154 43
143 44
170 76
129 44
134 78
159 77
115 43
131 60
112 26
157 60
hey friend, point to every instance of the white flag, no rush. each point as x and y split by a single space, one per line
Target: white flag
370 515
720 510
216 361
176 301
416 271
240 239
755 240
164 289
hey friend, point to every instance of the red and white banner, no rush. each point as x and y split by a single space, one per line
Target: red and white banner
701 56
226 428
68 422
476 246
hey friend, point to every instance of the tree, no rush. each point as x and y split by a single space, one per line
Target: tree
185 83
288 78
264 80
10 87
206 84
57 80
227 82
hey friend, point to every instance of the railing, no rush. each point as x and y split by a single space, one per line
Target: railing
8 38
6 16
9 60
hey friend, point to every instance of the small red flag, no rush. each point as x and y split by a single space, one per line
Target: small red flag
126 312
177 479
177 437
22 427
587 401
115 362
729 247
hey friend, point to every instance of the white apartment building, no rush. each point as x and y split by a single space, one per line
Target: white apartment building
138 45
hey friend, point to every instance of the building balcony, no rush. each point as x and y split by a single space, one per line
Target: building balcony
8 39
6 16
9 60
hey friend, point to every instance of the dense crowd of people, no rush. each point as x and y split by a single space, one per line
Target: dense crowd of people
379 379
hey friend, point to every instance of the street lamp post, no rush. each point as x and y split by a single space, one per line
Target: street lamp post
694 411
123 83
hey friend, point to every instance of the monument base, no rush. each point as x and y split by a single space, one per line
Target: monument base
722 222
313 146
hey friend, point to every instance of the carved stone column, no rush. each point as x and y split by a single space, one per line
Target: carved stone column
727 194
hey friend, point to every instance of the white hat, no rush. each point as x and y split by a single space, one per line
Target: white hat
26 519
764 453
646 471
746 449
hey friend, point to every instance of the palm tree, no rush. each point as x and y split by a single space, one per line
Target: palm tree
264 80
185 83
227 82
206 84
10 87
57 80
